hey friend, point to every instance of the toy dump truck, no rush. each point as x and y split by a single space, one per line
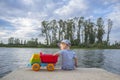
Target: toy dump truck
42 60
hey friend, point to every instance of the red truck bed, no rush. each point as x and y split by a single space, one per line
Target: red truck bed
48 58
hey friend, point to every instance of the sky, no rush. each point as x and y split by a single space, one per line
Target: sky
22 18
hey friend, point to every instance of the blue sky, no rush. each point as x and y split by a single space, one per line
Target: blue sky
22 18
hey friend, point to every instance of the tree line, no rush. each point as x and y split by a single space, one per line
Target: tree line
80 31
16 42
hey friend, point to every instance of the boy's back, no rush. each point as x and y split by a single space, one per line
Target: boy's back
67 59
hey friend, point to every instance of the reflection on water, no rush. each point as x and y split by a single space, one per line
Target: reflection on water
93 59
14 58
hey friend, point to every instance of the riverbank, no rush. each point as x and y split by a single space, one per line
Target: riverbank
78 74
73 47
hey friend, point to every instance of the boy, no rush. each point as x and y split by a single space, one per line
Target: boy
69 59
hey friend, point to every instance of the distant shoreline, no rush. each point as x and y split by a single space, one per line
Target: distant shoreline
74 47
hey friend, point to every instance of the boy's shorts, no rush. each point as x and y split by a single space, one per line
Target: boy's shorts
68 68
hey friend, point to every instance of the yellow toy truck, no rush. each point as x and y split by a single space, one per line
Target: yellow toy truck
42 60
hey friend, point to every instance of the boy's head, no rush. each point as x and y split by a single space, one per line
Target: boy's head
64 44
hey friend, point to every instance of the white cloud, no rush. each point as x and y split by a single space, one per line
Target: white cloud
3 33
72 7
106 2
114 15
26 15
28 2
24 28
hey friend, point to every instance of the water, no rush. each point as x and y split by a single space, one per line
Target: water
14 58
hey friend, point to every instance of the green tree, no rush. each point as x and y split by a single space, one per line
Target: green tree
70 29
45 31
110 23
25 42
36 41
100 29
21 42
91 32
16 41
86 32
1 42
60 28
54 27
11 40
80 24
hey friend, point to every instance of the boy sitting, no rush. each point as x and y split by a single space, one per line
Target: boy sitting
69 58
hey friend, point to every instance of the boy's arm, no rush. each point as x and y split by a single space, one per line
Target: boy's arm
58 54
76 62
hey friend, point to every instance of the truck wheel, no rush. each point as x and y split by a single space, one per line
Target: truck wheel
36 67
50 67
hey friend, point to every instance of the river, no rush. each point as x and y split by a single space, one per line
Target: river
14 58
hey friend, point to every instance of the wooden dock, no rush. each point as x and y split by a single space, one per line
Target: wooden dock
58 74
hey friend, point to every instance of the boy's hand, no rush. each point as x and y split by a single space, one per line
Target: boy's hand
56 54
76 62
76 65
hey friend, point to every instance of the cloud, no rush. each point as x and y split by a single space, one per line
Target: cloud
73 7
107 2
24 26
114 15
22 18
23 21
